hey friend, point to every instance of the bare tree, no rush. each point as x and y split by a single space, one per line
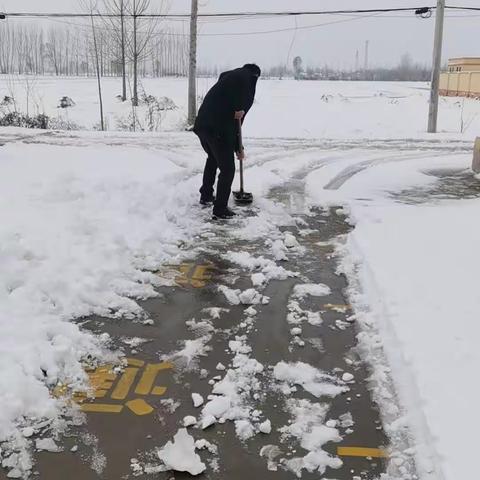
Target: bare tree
91 7
143 31
117 27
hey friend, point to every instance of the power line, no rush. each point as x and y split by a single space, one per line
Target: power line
213 15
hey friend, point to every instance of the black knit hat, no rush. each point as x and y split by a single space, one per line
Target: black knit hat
254 69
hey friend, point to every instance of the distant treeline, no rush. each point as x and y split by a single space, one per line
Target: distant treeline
406 70
69 50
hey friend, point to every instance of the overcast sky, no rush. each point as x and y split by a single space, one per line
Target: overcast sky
334 43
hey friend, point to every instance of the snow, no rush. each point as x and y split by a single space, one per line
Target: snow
314 290
266 269
308 425
96 214
325 109
47 444
265 427
246 297
189 421
233 395
413 271
180 455
192 349
197 400
87 226
314 381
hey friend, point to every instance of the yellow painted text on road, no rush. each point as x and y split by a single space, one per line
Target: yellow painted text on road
113 387
337 307
193 275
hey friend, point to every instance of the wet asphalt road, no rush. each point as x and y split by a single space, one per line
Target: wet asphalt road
108 441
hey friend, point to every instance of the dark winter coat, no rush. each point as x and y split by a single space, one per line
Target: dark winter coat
234 91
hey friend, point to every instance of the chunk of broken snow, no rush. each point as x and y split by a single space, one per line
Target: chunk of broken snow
290 240
265 427
251 297
197 400
220 366
27 432
180 455
208 421
189 421
244 429
47 445
258 279
312 289
250 311
203 444
311 379
296 331
347 377
15 473
217 407
230 294
279 250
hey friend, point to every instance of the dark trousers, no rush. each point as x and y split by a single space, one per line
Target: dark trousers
220 155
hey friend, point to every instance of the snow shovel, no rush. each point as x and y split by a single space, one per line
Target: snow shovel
242 197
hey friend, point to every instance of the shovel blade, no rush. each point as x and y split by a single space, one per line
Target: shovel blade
243 198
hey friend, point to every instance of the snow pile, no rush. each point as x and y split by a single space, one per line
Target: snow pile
87 226
232 397
180 455
308 426
311 379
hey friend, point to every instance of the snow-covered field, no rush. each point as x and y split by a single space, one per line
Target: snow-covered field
284 108
86 215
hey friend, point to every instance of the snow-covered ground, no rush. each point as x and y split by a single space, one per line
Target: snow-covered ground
284 108
85 216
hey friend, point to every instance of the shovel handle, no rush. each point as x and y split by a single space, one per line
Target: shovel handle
240 146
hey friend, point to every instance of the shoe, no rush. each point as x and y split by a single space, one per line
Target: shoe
223 214
206 200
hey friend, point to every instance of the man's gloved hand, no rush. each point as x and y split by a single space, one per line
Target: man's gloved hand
239 115
241 154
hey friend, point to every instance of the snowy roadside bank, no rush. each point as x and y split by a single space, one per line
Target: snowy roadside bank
81 230
412 270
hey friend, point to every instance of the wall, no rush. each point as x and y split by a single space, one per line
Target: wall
460 84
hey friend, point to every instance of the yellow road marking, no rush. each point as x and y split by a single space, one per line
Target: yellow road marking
134 362
361 452
139 407
337 308
102 381
193 275
144 386
124 384
101 408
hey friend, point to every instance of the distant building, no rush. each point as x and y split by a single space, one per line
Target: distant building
462 78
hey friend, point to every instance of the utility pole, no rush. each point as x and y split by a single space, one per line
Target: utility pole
357 61
135 56
366 57
192 71
124 60
437 64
